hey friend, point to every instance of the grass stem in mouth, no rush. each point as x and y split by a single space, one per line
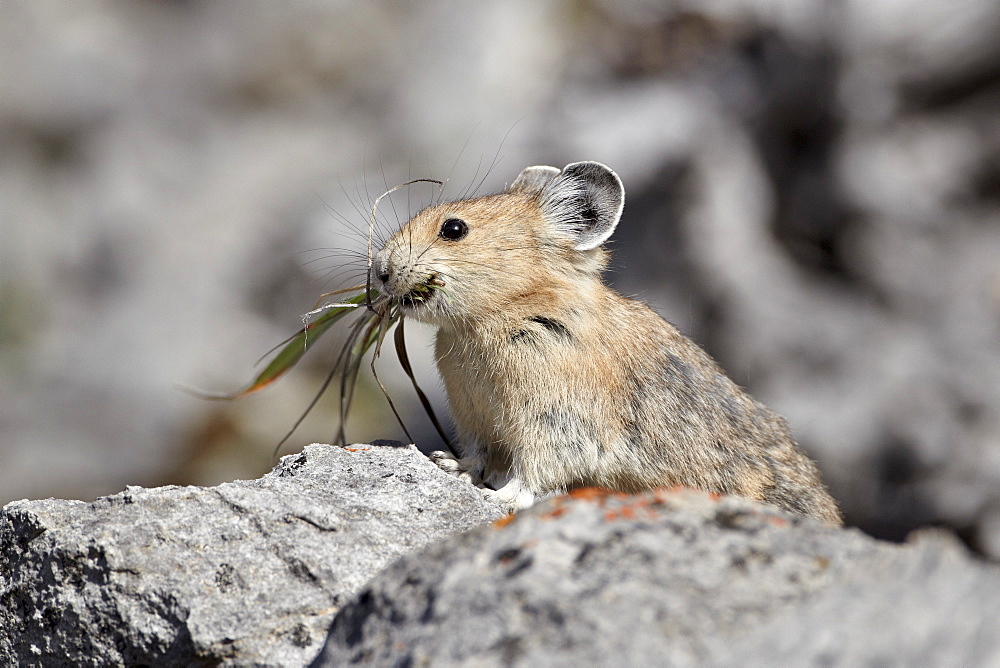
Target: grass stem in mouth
381 314
369 329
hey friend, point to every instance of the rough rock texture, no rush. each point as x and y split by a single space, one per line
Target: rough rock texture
261 572
249 572
670 578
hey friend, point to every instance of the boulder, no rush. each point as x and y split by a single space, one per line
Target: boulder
369 554
671 578
248 572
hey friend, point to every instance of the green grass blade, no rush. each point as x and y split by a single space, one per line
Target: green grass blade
352 364
404 361
296 346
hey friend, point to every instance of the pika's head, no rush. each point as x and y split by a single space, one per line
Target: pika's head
467 258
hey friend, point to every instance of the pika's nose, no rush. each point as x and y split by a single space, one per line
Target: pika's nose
381 268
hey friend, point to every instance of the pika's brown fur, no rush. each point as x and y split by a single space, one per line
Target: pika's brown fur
556 381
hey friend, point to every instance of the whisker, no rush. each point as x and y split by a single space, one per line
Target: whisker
331 252
357 261
354 204
460 153
496 157
385 182
338 274
409 176
465 192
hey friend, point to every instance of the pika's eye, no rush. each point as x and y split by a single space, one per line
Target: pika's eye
453 229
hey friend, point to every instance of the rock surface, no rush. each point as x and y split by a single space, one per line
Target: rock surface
671 578
249 572
358 546
925 605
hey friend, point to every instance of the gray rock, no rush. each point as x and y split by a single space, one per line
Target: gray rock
246 573
928 605
667 578
255 573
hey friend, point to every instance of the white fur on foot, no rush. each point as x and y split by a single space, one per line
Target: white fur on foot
465 468
445 461
515 495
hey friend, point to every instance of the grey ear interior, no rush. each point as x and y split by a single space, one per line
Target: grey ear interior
585 200
533 179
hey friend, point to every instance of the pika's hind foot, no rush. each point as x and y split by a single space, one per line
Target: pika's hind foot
514 496
466 468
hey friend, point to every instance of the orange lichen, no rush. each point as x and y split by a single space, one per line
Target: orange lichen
555 512
650 503
503 521
593 493
628 511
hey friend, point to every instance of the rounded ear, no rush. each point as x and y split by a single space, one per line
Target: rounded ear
533 179
586 201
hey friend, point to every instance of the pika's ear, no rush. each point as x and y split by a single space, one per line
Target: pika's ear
533 179
586 201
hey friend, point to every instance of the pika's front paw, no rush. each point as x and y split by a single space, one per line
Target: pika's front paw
445 461
466 468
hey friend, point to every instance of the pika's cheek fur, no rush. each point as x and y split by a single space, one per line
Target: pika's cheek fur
555 380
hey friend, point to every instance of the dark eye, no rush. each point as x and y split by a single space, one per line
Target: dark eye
453 229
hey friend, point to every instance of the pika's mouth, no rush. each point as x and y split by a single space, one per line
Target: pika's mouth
414 297
422 293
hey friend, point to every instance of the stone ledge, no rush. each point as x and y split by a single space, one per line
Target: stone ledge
245 572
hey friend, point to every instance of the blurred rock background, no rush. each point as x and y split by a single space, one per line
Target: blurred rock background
813 193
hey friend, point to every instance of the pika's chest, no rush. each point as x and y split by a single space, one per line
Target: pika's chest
474 385
470 375
522 363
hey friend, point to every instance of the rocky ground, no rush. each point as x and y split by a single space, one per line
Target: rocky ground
249 571
405 565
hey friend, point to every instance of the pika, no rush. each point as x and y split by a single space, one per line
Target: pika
556 381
